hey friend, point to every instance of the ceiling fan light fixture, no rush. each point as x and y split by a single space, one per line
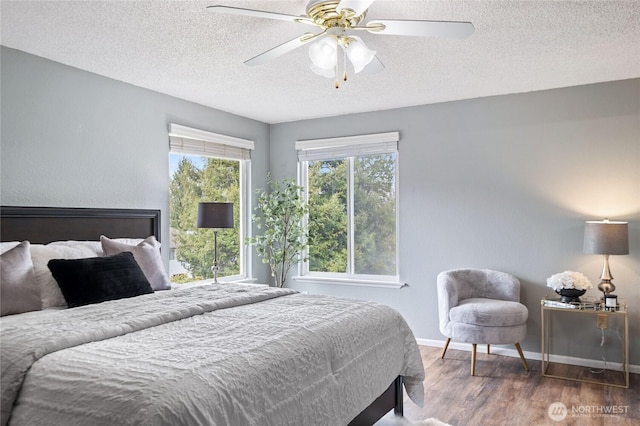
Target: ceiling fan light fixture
323 53
359 54
338 20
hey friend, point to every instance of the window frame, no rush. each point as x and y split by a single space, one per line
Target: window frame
189 141
348 148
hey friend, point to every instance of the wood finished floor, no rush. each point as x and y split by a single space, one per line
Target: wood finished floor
503 393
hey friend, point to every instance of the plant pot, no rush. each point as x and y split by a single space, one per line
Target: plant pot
570 295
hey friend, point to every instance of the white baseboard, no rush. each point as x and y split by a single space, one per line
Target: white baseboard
502 350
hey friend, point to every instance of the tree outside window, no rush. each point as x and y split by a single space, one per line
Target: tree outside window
352 215
195 179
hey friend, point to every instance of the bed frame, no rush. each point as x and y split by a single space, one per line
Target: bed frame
42 225
391 399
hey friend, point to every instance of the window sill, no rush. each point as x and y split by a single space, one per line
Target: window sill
348 281
238 279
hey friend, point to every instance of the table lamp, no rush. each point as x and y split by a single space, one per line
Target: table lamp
606 237
216 216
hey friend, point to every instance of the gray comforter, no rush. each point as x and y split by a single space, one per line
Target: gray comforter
211 355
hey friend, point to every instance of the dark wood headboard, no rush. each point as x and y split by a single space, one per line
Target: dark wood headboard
41 225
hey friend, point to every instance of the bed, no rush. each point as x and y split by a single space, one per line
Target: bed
225 354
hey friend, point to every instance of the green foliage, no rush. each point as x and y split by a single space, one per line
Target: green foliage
215 180
182 278
284 234
374 223
328 216
375 215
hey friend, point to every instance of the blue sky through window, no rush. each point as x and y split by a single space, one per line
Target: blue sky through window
174 159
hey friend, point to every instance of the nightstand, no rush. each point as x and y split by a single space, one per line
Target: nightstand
596 314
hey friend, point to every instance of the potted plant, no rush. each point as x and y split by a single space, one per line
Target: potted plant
282 209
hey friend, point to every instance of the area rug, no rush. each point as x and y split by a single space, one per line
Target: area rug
391 420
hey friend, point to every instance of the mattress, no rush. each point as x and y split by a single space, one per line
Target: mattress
227 354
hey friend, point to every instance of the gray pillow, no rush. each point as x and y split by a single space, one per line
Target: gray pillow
18 290
147 254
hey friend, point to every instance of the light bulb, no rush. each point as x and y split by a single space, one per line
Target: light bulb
323 53
359 54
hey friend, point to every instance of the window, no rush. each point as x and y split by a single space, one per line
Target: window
205 166
351 185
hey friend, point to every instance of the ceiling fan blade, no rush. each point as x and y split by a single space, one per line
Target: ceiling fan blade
260 14
450 29
280 50
358 6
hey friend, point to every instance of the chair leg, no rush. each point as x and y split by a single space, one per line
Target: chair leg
473 359
488 350
446 345
524 361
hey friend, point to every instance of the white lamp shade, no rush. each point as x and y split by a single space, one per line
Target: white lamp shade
323 53
606 237
359 54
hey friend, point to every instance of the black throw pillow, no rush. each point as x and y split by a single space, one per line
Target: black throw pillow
97 279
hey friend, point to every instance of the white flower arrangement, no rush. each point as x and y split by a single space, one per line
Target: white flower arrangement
569 279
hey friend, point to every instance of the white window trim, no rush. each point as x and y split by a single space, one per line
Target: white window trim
348 141
184 132
353 280
354 145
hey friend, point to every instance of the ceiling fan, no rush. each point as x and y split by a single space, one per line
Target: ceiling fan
339 21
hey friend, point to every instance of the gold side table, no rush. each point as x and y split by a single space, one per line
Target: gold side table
549 307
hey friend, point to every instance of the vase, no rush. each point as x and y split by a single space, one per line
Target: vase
570 295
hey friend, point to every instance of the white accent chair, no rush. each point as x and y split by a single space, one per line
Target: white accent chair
481 306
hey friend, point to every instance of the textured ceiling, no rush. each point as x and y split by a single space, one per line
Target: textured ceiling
182 49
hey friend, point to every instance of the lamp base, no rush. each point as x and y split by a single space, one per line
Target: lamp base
606 286
215 270
215 267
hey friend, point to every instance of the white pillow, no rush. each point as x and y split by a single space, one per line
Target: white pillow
41 255
95 246
7 245
18 290
147 254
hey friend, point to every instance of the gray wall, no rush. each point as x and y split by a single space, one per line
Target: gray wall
504 183
75 139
